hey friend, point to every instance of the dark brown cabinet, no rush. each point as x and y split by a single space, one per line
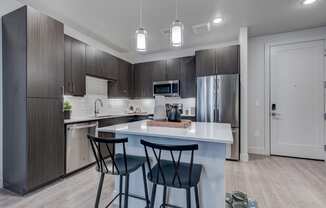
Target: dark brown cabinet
144 76
46 144
110 66
227 60
121 88
45 47
187 77
93 62
33 79
101 64
218 61
75 67
205 62
173 69
143 81
182 69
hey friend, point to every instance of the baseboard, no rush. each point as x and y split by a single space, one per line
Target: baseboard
256 150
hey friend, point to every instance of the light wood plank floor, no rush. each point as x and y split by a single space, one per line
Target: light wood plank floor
274 181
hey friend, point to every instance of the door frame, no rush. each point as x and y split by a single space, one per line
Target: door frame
267 80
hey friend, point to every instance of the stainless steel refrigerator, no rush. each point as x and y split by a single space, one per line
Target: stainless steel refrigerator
218 101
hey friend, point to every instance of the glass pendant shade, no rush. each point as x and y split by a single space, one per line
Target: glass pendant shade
141 40
176 34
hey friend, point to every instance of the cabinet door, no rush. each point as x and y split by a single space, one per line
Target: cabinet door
157 70
110 66
78 67
173 67
93 66
188 77
124 78
46 147
205 63
68 73
227 60
45 56
140 79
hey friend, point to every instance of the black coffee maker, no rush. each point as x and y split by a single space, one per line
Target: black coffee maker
173 112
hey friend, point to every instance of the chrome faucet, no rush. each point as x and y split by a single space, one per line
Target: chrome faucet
96 110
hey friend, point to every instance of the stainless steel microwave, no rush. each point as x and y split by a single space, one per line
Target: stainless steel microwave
167 88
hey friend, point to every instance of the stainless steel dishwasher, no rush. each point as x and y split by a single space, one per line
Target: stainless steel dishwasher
78 150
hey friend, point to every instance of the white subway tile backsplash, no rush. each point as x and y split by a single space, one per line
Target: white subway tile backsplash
97 88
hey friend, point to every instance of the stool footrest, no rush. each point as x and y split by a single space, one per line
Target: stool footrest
128 195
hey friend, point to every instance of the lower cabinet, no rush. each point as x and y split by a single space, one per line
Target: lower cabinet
46 143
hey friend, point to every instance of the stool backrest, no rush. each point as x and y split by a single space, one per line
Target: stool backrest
157 150
104 155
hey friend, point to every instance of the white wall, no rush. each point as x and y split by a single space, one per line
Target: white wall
256 82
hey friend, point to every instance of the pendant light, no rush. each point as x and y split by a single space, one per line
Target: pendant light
176 31
141 33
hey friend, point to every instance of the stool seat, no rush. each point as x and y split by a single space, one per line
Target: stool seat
133 163
181 180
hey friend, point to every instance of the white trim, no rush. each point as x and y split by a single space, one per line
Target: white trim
257 150
244 157
268 45
243 40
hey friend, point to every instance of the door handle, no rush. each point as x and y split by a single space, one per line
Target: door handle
275 114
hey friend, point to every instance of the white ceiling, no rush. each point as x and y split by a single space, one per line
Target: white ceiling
114 21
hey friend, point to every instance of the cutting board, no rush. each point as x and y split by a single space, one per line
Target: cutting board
182 124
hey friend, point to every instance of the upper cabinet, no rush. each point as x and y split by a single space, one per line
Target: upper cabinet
205 62
121 88
187 77
228 60
45 56
75 67
182 69
101 64
143 80
173 67
218 61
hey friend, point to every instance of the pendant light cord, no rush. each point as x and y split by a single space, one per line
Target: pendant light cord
176 9
141 14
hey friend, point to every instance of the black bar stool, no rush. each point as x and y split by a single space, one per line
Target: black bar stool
173 173
117 164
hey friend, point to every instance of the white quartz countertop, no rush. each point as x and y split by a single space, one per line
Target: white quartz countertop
198 131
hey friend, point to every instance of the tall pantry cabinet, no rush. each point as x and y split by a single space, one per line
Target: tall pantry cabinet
33 80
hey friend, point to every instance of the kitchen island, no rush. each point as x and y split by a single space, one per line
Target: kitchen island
211 138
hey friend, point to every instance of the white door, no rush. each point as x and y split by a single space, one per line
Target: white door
297 100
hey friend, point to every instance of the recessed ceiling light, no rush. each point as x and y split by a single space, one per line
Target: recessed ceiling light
308 2
218 20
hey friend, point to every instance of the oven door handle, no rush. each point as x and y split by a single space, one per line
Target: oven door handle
82 127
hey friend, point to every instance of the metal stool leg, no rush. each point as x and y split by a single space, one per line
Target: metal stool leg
120 191
197 197
99 190
188 198
164 196
153 195
145 185
126 191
